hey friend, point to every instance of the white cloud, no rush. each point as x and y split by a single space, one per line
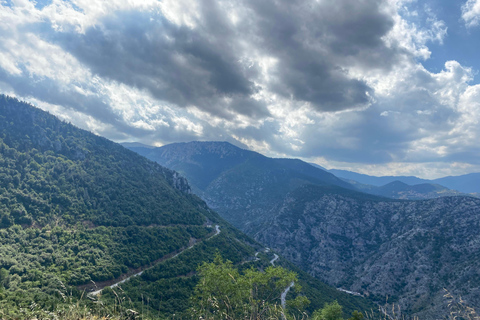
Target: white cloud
81 14
471 13
411 34
182 12
399 117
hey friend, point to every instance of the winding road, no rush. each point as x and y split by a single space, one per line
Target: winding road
275 257
283 296
95 293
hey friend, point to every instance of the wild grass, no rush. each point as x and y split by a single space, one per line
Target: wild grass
73 308
459 310
91 308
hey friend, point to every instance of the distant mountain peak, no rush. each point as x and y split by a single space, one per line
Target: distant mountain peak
317 166
396 183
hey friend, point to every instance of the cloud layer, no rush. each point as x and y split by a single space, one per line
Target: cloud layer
337 82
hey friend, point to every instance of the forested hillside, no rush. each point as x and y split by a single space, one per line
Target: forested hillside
59 171
76 208
79 213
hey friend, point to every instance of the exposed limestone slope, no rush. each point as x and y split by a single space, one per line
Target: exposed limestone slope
408 250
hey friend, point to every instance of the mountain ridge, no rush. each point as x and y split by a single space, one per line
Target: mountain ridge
454 183
467 183
209 165
401 190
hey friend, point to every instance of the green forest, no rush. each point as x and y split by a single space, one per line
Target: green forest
79 212
77 209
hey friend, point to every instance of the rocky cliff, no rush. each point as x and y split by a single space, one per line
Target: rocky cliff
406 250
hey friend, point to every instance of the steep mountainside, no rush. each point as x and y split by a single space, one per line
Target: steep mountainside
408 250
76 208
241 185
79 213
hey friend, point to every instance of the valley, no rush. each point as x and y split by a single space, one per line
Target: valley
372 245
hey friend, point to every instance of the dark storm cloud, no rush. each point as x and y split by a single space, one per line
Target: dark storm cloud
315 44
354 27
175 63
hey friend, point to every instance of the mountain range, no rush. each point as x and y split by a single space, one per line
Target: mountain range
410 188
400 190
468 183
79 214
254 181
374 245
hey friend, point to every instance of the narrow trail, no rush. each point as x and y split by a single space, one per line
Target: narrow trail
95 293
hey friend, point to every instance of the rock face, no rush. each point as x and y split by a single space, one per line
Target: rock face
407 250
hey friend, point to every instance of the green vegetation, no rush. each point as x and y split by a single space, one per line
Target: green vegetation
332 311
77 209
165 289
224 293
52 172
78 213
35 263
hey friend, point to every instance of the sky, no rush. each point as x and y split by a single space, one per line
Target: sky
382 87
